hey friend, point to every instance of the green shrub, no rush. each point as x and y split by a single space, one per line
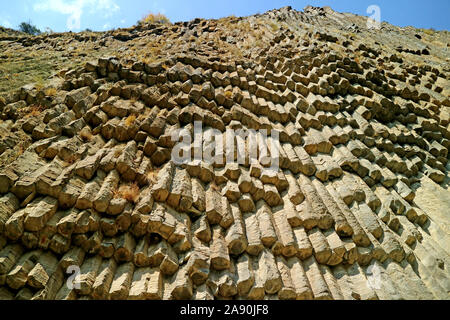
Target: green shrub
28 28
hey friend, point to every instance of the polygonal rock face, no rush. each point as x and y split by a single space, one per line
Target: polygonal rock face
347 200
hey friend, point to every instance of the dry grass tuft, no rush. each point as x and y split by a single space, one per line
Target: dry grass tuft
72 158
34 111
50 92
429 32
274 26
228 94
39 85
130 120
128 192
154 18
152 175
86 135
20 150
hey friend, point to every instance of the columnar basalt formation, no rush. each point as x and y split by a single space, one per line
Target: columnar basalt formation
358 209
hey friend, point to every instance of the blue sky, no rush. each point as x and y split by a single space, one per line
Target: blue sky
76 15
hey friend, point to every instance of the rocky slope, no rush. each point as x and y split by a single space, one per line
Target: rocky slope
358 210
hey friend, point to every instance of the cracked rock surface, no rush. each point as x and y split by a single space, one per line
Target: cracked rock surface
358 209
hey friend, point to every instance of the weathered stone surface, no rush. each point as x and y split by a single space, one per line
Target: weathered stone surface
319 211
125 248
169 265
39 276
70 192
14 227
337 247
90 190
299 279
106 192
284 233
359 236
198 195
341 225
296 195
54 283
18 276
213 208
8 205
220 259
74 257
88 274
146 285
253 233
40 213
104 278
367 218
160 190
346 198
318 285
322 251
180 195
268 271
236 236
9 256
121 283
199 265
201 229
180 285
267 232
76 96
222 284
271 195
126 162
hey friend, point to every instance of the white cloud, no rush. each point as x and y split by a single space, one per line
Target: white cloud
106 26
108 7
122 21
74 8
6 23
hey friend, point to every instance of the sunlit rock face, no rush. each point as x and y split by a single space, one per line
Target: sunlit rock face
344 197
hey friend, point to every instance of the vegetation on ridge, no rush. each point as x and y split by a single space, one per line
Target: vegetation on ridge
28 28
154 18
